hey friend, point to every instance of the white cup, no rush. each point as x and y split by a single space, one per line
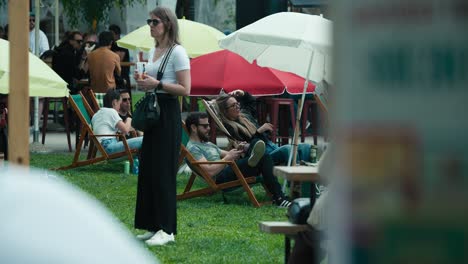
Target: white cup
141 67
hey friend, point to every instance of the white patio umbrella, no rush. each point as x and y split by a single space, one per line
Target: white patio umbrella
288 41
43 81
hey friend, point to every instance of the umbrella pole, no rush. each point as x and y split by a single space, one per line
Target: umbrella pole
37 8
293 155
56 26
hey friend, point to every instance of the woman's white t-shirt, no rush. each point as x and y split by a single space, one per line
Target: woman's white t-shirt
178 61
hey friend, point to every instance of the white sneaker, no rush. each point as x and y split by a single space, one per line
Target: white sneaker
256 154
160 238
146 235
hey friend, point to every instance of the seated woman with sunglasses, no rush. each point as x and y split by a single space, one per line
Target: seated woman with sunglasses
237 110
107 121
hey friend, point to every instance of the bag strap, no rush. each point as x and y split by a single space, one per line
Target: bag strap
162 66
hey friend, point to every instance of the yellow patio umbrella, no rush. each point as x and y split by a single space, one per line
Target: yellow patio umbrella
197 38
43 81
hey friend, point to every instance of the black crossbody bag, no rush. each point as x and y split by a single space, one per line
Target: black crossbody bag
147 110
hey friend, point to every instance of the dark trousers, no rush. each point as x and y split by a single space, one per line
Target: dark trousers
264 167
156 190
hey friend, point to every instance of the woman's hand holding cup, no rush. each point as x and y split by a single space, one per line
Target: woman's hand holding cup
146 82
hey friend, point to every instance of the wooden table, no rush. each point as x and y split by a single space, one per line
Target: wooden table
296 175
287 229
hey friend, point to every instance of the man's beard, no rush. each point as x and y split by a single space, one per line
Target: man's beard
203 137
124 109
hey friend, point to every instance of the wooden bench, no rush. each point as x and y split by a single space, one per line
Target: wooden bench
289 230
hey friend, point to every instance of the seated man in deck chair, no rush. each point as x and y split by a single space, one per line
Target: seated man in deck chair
107 121
124 111
258 163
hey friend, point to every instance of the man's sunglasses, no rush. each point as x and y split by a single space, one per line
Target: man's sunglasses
32 20
126 99
155 21
205 126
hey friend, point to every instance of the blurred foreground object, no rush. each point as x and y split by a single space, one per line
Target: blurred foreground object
399 121
46 220
43 81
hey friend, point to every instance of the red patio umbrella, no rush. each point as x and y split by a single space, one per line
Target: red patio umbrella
225 70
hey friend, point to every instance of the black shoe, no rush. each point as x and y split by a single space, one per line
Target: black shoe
282 202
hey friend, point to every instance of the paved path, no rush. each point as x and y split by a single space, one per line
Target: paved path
57 142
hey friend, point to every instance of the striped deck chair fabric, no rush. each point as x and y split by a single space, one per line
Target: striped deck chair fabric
100 99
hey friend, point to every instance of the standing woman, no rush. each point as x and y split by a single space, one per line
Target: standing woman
156 193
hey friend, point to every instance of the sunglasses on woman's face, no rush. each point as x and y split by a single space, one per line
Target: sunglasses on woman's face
234 105
155 21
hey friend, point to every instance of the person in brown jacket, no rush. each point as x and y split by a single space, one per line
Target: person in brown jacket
103 63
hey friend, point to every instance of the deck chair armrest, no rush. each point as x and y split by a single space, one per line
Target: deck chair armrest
212 162
107 135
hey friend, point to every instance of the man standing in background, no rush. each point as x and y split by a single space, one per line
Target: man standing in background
66 58
123 54
103 63
43 42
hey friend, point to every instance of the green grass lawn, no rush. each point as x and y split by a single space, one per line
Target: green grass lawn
209 230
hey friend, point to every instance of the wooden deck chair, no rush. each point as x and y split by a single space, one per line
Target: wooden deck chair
94 106
95 101
82 109
91 99
212 187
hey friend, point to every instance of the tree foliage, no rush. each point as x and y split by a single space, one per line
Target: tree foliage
92 12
